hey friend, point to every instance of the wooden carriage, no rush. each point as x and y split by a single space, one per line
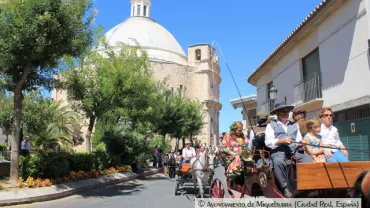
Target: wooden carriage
306 180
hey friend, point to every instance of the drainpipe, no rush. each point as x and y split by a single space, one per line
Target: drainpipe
368 16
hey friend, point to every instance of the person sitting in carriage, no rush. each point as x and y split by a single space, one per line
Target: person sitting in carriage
187 153
232 147
280 135
258 130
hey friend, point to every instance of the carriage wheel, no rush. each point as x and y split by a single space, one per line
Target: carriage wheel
177 186
218 189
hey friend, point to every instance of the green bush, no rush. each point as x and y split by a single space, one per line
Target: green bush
2 147
55 165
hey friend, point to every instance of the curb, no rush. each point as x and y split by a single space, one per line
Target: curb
64 190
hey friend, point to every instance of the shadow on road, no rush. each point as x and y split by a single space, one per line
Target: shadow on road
122 189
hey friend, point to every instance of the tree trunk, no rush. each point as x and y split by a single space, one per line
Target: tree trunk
18 101
183 142
14 164
89 133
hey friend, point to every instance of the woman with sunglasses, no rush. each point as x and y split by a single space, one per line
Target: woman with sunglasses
330 137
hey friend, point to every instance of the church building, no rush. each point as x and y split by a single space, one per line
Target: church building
197 74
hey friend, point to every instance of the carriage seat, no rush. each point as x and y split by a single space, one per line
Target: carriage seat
185 167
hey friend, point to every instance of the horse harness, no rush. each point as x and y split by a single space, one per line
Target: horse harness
206 165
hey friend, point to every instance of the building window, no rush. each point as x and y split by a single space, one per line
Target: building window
352 114
311 82
133 10
145 11
138 10
311 63
198 55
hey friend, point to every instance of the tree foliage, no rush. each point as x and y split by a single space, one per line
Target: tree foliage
178 117
45 120
111 85
34 35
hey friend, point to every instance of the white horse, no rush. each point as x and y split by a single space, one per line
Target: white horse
202 168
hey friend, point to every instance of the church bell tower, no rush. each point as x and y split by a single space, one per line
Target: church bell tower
140 8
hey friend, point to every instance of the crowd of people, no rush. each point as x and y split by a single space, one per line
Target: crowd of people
308 140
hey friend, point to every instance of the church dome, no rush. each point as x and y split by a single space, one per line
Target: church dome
141 30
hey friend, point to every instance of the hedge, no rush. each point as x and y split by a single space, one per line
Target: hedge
55 165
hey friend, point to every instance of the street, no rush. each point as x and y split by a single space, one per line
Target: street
156 191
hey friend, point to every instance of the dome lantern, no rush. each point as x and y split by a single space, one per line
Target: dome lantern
140 8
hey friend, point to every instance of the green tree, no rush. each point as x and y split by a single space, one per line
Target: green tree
34 35
167 116
110 86
45 120
194 119
6 114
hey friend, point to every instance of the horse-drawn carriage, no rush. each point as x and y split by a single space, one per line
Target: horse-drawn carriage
197 173
306 180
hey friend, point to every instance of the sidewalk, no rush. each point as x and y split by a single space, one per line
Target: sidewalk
63 190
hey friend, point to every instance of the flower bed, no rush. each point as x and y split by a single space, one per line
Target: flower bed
55 168
72 176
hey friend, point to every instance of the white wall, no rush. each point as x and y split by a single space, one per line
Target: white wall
342 41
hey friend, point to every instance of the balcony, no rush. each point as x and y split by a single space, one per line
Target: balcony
307 92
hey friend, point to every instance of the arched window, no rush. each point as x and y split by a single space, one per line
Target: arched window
198 55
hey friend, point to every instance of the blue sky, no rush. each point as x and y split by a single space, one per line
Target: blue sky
246 30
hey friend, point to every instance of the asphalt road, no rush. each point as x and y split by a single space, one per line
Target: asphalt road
156 191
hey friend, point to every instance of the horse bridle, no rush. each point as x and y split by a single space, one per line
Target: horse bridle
206 158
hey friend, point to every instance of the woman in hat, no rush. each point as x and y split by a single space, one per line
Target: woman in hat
232 147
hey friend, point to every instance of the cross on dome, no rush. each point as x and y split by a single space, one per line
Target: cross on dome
140 8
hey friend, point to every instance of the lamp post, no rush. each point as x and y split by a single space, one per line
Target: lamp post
273 93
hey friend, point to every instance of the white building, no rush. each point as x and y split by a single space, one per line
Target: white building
250 108
197 74
325 62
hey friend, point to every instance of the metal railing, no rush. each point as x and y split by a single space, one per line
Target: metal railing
308 89
361 143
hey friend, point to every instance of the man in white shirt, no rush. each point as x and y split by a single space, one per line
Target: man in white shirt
280 135
26 146
188 152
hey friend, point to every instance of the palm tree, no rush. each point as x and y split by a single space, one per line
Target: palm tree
64 129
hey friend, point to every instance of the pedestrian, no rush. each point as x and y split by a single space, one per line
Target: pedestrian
26 146
155 155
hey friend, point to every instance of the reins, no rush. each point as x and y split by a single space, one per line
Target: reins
330 147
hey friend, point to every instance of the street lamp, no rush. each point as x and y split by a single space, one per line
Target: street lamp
273 93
